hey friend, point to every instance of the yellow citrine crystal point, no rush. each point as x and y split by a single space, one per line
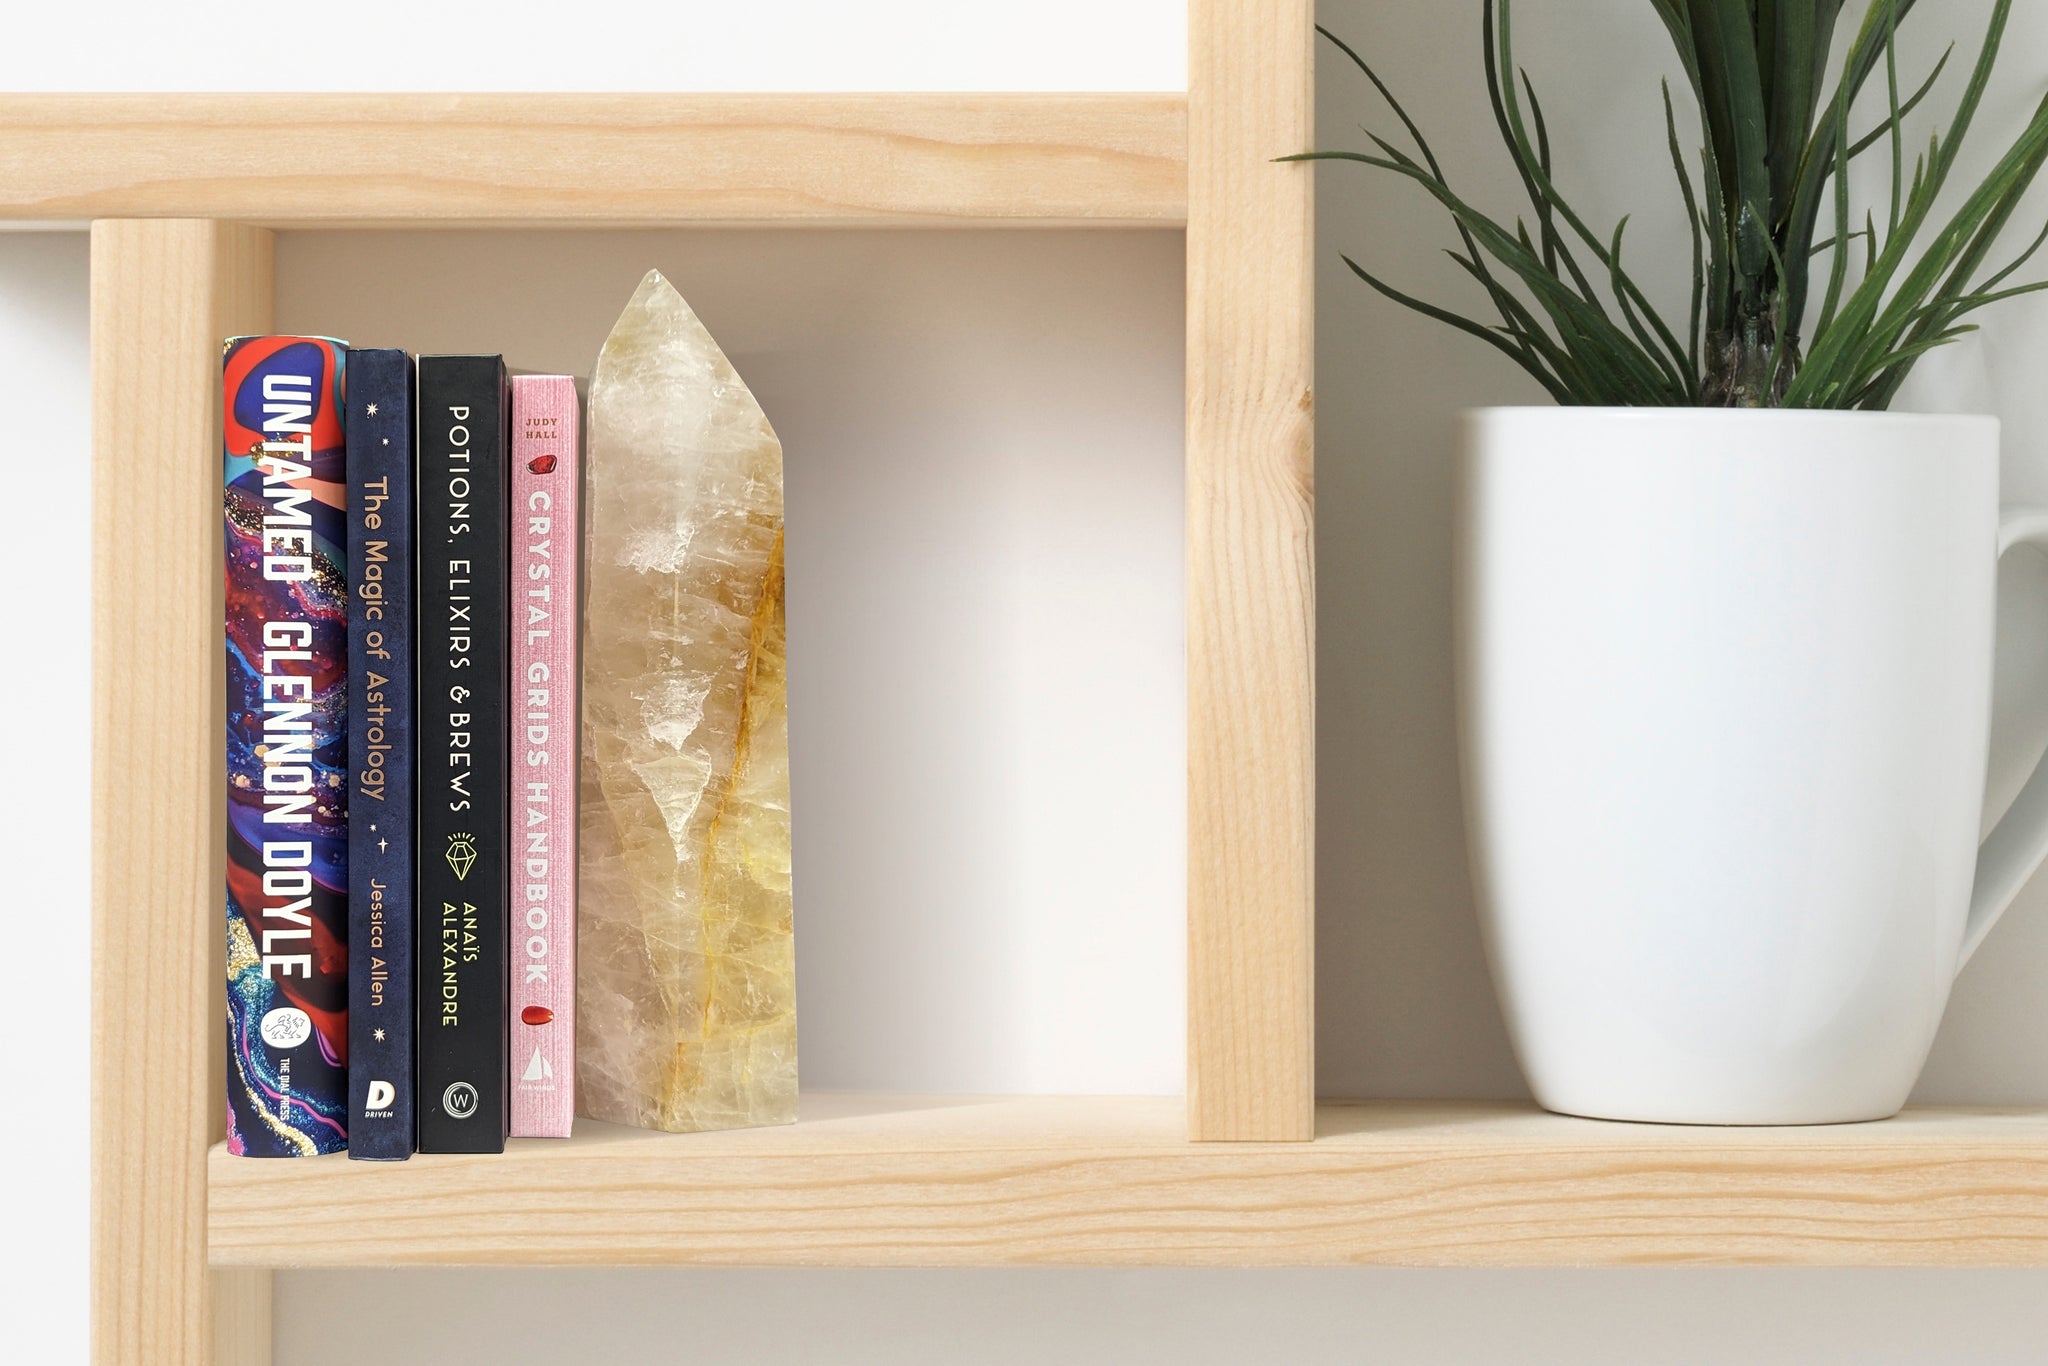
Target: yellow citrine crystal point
686 976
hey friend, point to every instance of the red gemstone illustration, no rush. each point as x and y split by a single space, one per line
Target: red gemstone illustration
542 464
537 1015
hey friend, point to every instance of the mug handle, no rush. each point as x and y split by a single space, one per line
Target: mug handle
2018 846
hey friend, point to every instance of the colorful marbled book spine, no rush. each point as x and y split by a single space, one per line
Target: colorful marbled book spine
380 664
545 621
462 732
287 746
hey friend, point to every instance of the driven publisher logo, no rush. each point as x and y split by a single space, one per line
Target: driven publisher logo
459 1100
380 1098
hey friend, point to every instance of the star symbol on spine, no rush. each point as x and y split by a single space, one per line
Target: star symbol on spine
382 845
378 1035
370 410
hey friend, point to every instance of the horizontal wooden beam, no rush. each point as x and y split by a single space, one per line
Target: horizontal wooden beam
598 160
874 1181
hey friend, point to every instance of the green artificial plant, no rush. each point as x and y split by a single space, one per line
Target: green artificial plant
1880 289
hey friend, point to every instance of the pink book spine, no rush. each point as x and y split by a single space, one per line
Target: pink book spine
545 624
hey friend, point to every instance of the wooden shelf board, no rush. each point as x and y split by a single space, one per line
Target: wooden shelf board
949 1181
598 160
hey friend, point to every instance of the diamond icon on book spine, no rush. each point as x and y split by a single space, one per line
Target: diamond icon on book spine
461 854
686 965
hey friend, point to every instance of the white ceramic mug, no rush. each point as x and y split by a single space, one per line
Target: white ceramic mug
1725 695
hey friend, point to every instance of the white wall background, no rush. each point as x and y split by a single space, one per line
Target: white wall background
602 45
45 799
1047 468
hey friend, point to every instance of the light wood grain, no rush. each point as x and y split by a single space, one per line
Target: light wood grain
241 1318
163 296
875 1181
1250 574
614 160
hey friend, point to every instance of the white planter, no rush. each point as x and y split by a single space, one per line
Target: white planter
1725 690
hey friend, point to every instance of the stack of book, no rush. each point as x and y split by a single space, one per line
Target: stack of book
402 540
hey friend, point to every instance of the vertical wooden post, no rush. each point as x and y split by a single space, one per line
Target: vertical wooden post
1251 572
241 1317
164 294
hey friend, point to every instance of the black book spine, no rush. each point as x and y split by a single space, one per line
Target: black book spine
464 419
380 712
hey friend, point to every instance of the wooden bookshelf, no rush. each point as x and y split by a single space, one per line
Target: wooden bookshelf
953 1181
185 194
599 160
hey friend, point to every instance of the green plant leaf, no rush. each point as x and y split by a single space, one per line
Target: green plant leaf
1870 139
1536 171
1838 349
1840 269
1896 121
1692 220
1675 373
2008 272
1625 374
1529 166
1774 155
1462 324
1414 133
1802 33
1795 228
1737 117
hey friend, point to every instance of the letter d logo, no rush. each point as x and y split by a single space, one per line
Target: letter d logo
380 1098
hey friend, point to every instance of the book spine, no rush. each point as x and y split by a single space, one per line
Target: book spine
545 628
380 744
286 586
461 732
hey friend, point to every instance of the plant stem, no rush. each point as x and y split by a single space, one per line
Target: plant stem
1740 361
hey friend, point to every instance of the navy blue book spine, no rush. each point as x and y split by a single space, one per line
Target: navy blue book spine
381 755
